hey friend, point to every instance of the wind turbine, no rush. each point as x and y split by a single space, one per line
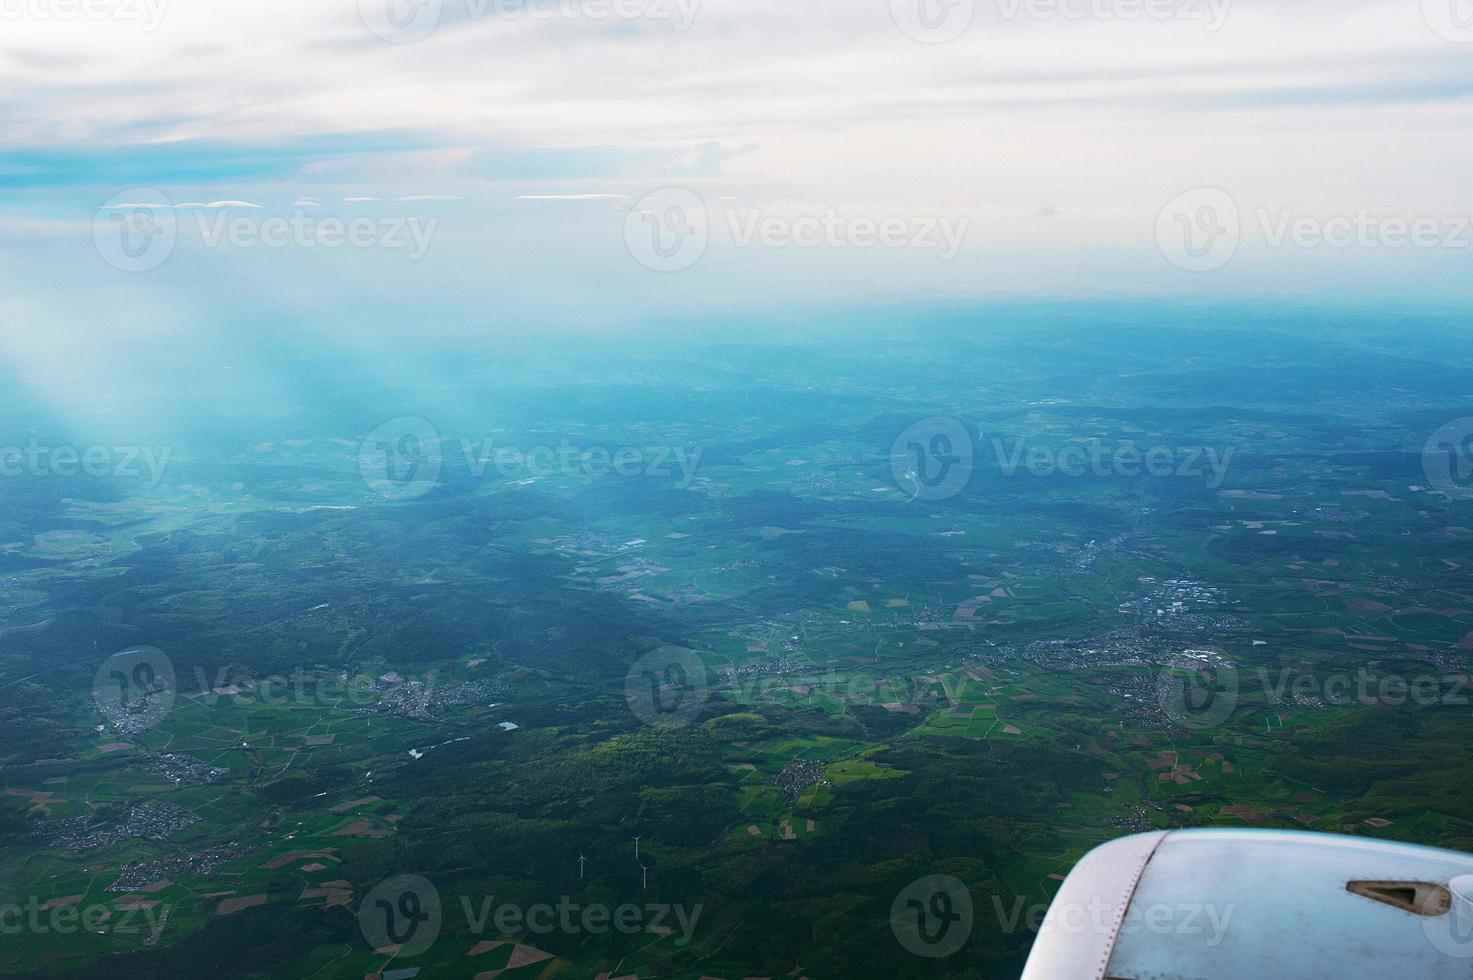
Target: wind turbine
645 881
636 848
581 861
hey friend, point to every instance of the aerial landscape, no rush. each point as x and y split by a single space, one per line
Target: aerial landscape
715 599
736 490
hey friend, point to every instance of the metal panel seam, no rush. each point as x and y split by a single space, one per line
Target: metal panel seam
1125 907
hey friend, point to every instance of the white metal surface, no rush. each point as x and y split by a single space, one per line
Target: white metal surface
1255 905
1105 879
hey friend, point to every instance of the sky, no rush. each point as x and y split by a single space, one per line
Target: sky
441 165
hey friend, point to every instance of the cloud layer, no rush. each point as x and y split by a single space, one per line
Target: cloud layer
530 132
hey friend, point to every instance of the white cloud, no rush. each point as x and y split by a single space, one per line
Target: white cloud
1328 105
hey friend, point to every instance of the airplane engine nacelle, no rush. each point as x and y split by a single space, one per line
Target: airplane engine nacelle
1259 905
